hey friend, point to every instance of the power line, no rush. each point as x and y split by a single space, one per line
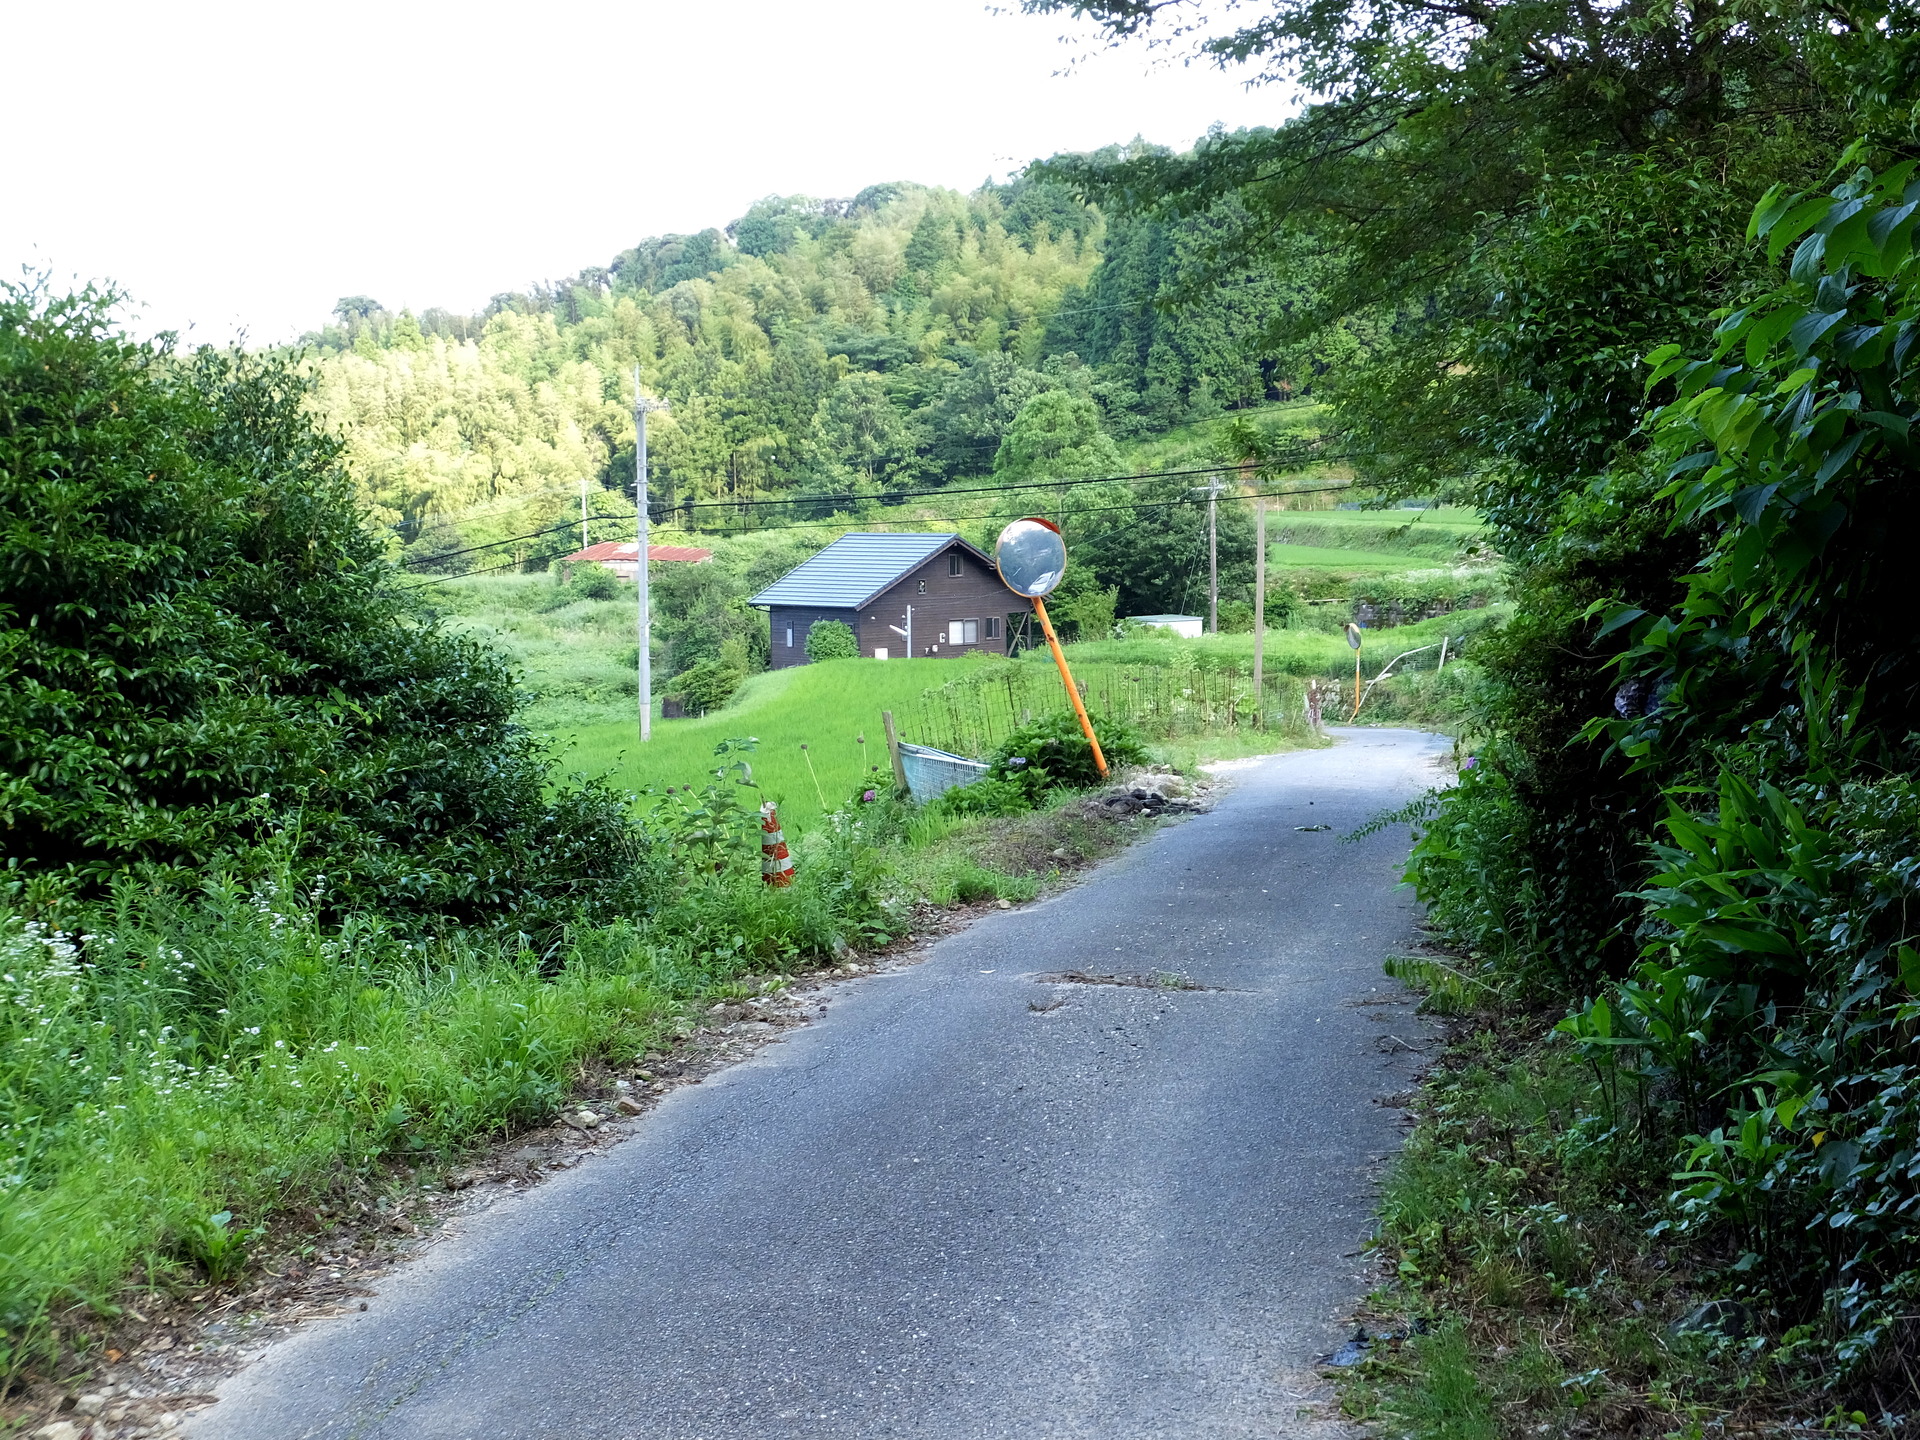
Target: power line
530 535
895 497
1083 510
928 520
885 497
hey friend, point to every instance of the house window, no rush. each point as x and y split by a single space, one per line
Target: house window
993 628
789 637
963 632
953 563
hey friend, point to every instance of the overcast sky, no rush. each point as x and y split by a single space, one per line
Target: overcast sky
239 167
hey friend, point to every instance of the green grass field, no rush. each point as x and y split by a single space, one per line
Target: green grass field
825 707
576 663
1454 518
1329 558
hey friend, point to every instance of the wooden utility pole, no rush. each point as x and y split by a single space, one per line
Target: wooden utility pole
1259 608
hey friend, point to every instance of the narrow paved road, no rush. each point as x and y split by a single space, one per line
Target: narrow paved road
941 1213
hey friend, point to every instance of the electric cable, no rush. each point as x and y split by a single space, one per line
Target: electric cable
923 520
896 497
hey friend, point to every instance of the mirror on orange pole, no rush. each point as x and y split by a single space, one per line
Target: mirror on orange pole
1353 641
1031 556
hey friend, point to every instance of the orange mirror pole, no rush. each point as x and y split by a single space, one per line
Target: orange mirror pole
1073 690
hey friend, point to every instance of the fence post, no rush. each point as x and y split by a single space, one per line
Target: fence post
893 751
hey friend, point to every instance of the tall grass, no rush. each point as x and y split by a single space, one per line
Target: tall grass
185 1068
1315 647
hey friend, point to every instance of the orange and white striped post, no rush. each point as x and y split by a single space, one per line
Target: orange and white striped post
776 863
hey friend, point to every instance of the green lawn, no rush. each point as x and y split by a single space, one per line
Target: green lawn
1446 517
1319 557
826 707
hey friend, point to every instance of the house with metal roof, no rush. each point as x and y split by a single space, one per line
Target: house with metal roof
622 557
902 594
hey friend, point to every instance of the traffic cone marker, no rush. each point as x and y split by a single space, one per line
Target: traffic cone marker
776 864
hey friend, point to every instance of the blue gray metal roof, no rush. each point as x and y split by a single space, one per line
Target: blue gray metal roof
854 569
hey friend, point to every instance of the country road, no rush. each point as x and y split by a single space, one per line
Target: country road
945 1212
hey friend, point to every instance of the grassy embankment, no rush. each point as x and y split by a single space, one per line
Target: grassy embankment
576 661
1531 1293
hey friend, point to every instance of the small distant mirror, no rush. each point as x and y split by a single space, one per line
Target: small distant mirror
1353 635
1031 557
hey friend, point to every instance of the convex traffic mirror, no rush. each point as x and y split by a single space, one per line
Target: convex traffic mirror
1031 557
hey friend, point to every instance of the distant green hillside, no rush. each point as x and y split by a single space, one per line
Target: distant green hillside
814 348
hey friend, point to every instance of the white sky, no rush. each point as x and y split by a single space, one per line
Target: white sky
239 167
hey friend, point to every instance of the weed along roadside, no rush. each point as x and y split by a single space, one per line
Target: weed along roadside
421 1076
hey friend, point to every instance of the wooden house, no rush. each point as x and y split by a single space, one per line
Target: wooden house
901 594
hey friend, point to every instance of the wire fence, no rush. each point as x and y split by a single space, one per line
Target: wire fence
972 713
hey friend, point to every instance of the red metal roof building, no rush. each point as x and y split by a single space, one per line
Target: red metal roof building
620 557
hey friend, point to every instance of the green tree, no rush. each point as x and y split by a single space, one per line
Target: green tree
204 661
1056 436
831 640
859 430
1155 555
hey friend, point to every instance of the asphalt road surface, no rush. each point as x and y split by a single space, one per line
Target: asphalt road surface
942 1213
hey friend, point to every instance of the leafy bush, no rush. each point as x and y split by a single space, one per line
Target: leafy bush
592 582
1053 751
1236 617
1750 970
185 1064
203 650
831 640
708 685
988 796
1413 595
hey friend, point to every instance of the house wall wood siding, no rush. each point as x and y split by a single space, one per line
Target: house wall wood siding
797 619
974 594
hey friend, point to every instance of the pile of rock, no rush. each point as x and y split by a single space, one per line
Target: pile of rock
1146 792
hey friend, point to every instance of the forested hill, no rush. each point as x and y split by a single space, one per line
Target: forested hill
813 347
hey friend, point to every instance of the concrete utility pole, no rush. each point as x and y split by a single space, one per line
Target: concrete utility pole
1212 492
644 619
1259 605
583 512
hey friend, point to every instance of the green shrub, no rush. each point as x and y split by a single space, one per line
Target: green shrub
1409 596
205 658
1283 604
831 640
988 796
1053 751
707 686
184 1065
592 582
1236 617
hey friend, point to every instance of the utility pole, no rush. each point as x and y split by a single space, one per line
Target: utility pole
583 512
1212 492
644 618
1259 606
